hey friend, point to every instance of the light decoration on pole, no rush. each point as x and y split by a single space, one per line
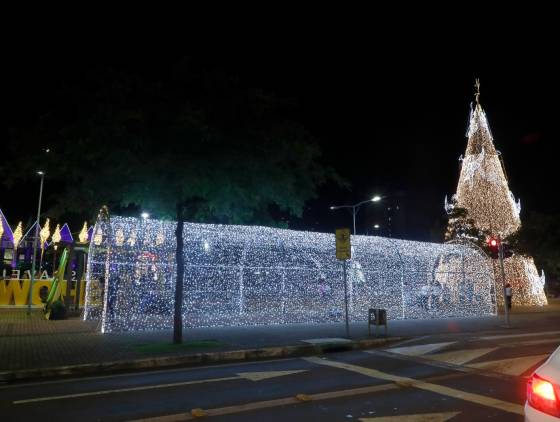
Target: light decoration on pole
483 191
119 238
160 239
132 239
83 236
56 237
98 237
45 233
248 275
18 234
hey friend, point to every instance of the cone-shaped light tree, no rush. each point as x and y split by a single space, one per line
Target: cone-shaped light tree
484 193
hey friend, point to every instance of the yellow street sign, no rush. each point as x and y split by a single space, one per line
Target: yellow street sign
343 244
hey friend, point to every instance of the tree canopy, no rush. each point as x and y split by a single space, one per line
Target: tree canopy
230 153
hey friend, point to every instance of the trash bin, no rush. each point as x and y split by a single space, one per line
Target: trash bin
377 317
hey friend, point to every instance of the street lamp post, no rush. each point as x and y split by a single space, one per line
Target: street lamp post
36 237
356 207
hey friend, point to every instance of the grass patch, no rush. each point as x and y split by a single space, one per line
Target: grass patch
170 347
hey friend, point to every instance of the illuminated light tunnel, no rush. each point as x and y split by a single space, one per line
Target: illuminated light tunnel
249 275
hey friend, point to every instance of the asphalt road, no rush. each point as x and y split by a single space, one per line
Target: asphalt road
462 377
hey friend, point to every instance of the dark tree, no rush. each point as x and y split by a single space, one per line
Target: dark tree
461 226
539 237
188 144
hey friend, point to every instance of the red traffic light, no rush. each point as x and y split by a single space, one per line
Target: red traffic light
493 246
493 243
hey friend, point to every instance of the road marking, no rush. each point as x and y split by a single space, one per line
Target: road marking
542 333
420 417
512 366
252 376
410 340
333 340
419 349
259 376
460 357
423 385
532 342
265 404
140 373
198 412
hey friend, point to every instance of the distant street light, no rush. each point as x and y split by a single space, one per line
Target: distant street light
145 215
356 207
42 174
376 226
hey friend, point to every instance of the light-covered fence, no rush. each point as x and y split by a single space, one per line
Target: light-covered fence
247 275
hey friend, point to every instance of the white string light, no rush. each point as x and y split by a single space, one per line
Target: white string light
245 275
484 192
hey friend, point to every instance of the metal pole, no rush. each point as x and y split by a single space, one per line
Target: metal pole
41 261
501 255
35 246
354 218
54 259
346 299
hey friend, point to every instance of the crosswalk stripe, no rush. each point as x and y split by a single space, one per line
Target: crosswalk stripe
511 366
423 385
419 349
460 357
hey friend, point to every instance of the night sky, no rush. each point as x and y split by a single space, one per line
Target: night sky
391 116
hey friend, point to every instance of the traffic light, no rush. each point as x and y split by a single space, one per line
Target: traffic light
493 247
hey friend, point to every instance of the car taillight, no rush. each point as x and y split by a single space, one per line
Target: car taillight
543 396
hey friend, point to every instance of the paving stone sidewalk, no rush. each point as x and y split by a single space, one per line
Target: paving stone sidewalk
30 342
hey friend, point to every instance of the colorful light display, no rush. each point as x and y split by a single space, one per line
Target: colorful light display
83 236
18 234
45 233
483 190
245 275
6 235
56 236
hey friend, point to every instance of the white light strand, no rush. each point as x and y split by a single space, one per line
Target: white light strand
484 192
244 275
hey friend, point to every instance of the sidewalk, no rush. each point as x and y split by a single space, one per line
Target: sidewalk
29 342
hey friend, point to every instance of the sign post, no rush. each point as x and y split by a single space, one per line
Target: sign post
344 253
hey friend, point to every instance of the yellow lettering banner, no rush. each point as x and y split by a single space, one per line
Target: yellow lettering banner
16 292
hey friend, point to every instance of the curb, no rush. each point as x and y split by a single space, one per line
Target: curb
193 359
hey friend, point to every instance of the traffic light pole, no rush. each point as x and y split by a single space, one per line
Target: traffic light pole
346 299
501 255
